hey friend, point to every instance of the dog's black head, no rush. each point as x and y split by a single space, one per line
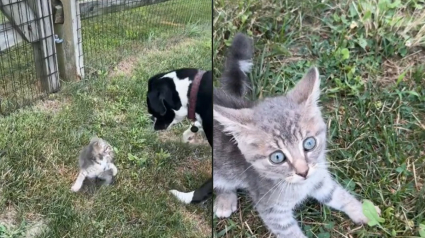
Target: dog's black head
162 100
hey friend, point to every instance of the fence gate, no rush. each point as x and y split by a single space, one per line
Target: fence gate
28 63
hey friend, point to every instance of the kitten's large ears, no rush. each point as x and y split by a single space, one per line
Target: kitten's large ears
307 90
234 121
95 143
94 139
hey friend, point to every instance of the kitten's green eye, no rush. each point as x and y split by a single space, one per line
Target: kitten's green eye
277 157
309 143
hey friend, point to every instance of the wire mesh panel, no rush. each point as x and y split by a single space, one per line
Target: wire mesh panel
114 28
26 44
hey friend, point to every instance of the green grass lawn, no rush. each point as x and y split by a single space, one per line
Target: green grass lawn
40 146
371 59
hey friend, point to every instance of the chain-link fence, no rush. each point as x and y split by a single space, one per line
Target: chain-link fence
110 30
118 28
27 53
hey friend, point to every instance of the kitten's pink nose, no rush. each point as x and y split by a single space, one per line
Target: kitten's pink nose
303 173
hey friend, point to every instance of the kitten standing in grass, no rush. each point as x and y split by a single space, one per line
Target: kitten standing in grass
273 148
96 161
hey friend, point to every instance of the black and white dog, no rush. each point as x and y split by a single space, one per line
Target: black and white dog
172 96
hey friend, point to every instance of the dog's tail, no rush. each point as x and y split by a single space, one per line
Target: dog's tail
238 64
199 195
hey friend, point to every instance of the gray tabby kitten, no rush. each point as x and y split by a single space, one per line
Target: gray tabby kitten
273 148
96 161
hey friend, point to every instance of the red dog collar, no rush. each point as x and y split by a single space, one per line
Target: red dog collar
194 94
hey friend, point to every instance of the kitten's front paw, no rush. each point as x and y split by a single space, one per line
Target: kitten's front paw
75 188
225 204
114 170
358 217
355 212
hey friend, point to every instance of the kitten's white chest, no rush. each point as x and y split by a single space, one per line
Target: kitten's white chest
97 169
286 196
295 194
104 165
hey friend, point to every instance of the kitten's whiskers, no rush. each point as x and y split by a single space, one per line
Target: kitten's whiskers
243 171
283 189
273 188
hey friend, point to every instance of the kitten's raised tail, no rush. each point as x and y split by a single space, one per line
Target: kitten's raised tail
199 195
238 65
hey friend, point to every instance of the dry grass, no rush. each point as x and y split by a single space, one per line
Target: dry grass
124 67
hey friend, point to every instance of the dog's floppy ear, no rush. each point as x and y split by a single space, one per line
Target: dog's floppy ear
156 102
169 98
157 99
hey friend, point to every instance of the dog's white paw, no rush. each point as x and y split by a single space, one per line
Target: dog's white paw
225 205
188 136
193 138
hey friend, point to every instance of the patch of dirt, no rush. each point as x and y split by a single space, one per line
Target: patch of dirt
125 67
120 118
86 205
35 225
171 23
168 135
201 224
35 229
393 68
192 138
193 164
68 172
52 106
8 217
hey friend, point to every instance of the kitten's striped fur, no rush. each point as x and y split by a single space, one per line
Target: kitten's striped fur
248 134
96 161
